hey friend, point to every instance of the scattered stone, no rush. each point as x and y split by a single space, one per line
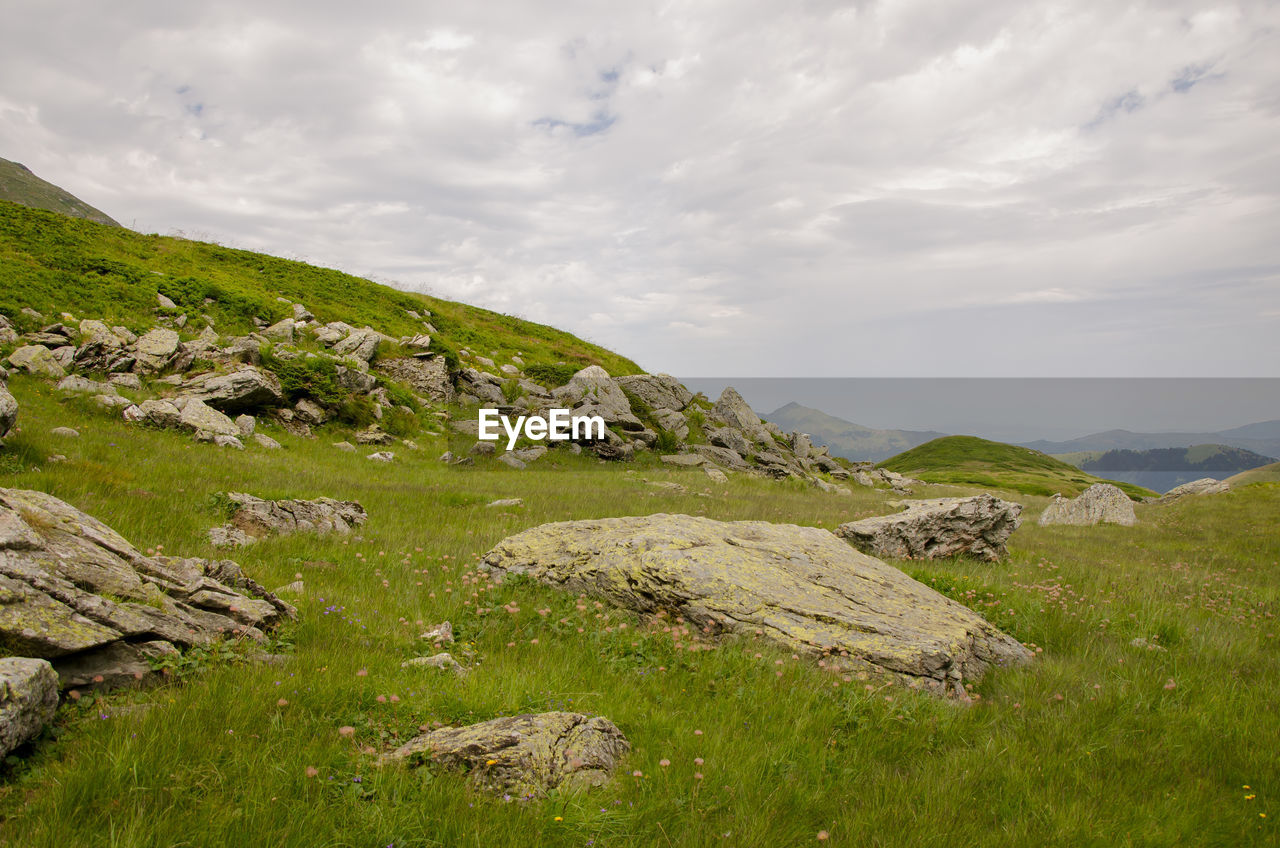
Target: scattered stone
525 756
716 475
1203 486
483 449
734 411
244 389
281 331
228 442
592 391
659 391
507 459
196 416
507 502
28 700
685 459
310 411
246 424
266 441
83 385
1100 503
75 592
345 446
153 350
165 303
65 433
126 381
443 660
382 456
530 454
800 586
374 435
37 359
442 632
937 528
446 457
257 518
156 413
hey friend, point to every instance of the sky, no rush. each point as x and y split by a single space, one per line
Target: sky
739 188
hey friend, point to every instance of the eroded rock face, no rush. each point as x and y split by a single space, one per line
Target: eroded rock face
28 700
801 586
75 592
247 388
938 528
525 755
255 518
426 375
1101 503
659 391
592 391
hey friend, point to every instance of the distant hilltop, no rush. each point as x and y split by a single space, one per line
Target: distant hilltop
846 439
19 185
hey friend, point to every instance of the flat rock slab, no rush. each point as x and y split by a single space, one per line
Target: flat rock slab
937 528
525 756
1101 503
255 518
75 592
800 586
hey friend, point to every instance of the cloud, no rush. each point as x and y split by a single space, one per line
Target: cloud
845 188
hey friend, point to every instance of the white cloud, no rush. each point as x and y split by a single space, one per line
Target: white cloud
710 188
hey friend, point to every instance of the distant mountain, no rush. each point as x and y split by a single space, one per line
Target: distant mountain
844 438
19 185
1261 438
1199 458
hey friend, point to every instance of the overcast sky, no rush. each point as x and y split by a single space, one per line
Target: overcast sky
733 188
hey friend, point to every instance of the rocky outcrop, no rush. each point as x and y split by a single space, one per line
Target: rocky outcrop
37 359
1203 486
425 375
940 527
75 592
525 756
254 518
592 391
1101 503
28 700
799 586
735 412
244 389
154 350
658 391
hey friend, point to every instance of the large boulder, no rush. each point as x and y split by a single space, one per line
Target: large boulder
246 388
28 700
1203 486
361 344
592 391
738 414
37 359
197 416
426 375
659 391
8 410
154 350
939 527
75 592
798 586
525 756
254 518
1101 503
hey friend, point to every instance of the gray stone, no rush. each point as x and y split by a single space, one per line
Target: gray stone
525 756
673 422
259 518
382 456
734 411
361 344
1100 503
425 375
28 700
37 359
659 391
154 350
799 586
507 502
442 632
687 460
592 391
721 456
937 528
508 459
164 302
728 437
126 381
1203 486
246 424
266 441
228 441
716 475
310 411
157 413
345 446
483 448
530 454
8 410
246 388
197 416
281 331
96 332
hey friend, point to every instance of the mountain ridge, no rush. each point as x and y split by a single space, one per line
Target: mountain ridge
19 184
845 438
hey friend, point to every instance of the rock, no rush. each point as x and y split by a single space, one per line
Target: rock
153 351
196 416
509 370
447 457
345 446
374 435
728 437
266 441
247 388
721 456
688 460
362 344
259 518
301 313
659 391
716 475
98 333
28 700
526 756
165 303
672 422
941 527
592 391
8 410
118 664
530 454
1101 502
281 331
443 660
382 456
509 460
442 632
799 586
157 413
310 411
483 449
37 359
228 442
126 381
246 424
65 433
72 590
1203 486
506 502
734 411
426 375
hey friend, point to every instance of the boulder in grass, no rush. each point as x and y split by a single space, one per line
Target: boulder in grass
256 518
938 528
28 700
1101 503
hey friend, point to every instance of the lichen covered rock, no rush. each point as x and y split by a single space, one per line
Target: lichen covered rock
1101 503
938 527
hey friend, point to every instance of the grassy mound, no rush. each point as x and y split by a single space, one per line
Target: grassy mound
971 461
1264 474
53 263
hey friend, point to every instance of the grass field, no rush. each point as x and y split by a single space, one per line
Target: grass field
1171 740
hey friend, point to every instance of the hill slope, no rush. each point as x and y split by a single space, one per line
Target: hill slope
844 438
979 462
19 185
1198 458
1265 474
52 263
1262 437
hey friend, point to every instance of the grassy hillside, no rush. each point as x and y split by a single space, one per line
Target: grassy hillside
969 460
19 185
1100 741
53 263
1265 474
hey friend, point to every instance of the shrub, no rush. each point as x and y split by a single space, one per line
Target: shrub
550 376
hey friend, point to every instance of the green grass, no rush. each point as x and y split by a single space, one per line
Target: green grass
53 263
1265 474
971 461
1085 746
